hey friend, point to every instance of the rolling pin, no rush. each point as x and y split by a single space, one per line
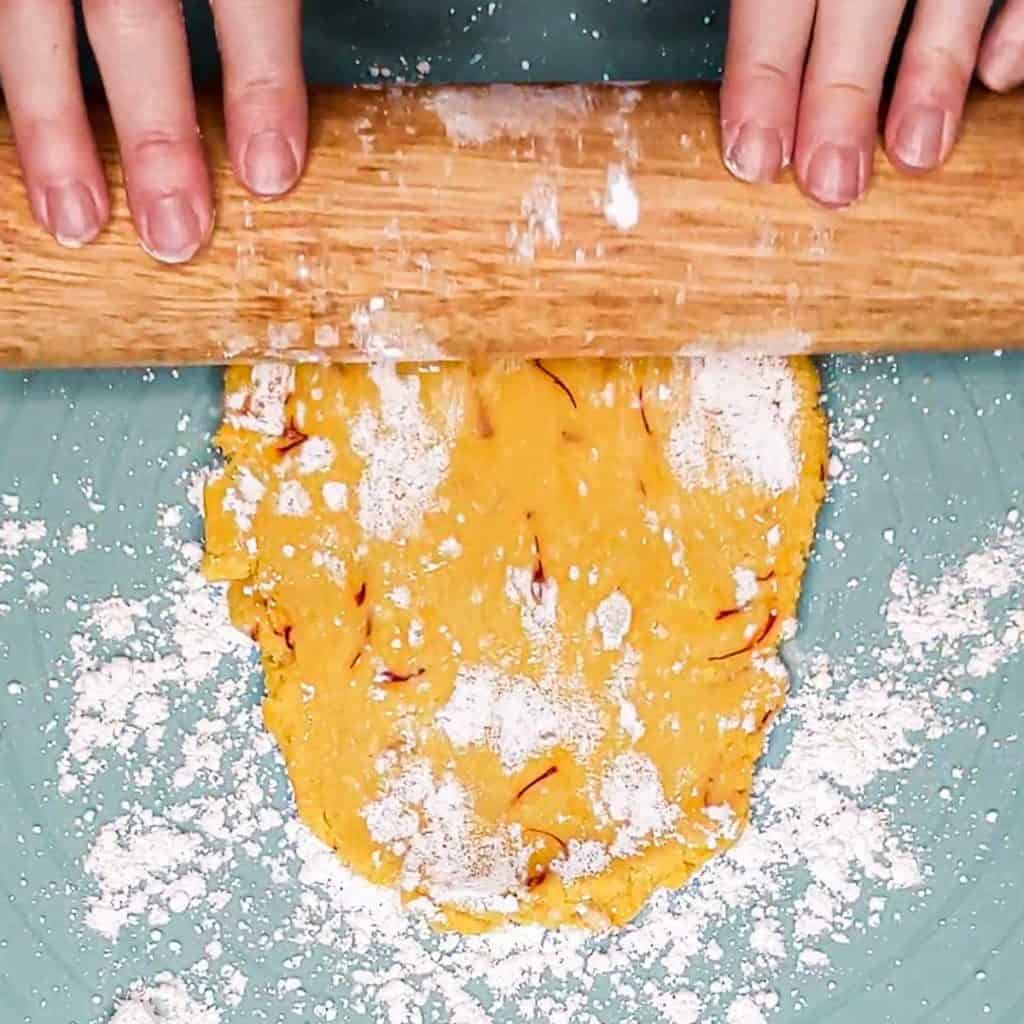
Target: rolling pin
525 221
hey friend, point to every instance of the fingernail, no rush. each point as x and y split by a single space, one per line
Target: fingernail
269 165
755 154
171 229
919 138
71 214
834 175
1001 69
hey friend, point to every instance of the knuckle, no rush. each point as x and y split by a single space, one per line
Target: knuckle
939 63
157 145
50 133
271 90
848 89
269 86
262 97
772 72
762 74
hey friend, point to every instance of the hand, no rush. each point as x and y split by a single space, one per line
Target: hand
141 49
824 117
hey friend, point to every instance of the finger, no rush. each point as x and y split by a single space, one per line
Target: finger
39 71
935 71
838 121
761 86
264 91
143 57
1001 64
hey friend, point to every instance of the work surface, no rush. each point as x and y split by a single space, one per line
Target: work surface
929 472
470 41
931 466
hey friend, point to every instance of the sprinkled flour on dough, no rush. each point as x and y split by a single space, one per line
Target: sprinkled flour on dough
632 797
746 585
537 602
620 685
739 424
614 616
405 456
429 823
518 720
262 407
293 499
335 495
315 455
243 499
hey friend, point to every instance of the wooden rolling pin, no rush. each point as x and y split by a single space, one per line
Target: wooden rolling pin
529 221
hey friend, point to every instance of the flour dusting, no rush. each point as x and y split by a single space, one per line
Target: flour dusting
261 406
405 455
165 1001
517 718
429 822
631 795
739 423
540 223
621 203
614 616
473 117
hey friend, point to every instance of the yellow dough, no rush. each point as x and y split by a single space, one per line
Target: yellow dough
519 621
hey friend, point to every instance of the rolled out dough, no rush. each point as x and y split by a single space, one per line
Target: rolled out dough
519 622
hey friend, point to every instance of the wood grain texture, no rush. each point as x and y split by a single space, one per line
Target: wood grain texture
424 228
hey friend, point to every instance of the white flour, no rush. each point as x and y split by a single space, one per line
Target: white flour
163 707
15 534
293 499
384 334
316 455
540 221
620 687
405 455
166 1001
614 616
739 423
632 797
746 585
428 821
143 866
517 719
261 407
243 499
621 203
77 539
473 117
335 495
